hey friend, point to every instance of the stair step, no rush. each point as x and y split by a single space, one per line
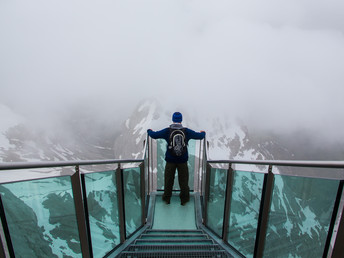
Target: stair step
173 236
173 232
173 242
149 248
172 254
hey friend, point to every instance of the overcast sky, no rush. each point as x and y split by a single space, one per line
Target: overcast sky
276 64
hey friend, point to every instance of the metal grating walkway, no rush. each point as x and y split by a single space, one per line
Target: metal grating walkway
173 232
174 243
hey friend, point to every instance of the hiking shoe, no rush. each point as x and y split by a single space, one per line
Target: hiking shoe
183 202
167 201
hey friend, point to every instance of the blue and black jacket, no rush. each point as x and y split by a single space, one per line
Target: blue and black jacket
165 134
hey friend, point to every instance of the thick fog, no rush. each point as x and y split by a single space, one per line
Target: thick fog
274 64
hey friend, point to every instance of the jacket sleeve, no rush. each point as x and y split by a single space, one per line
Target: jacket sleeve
195 135
158 134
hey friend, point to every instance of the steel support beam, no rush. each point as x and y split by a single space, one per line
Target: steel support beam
338 247
6 232
88 227
120 198
229 191
80 214
2 247
142 191
206 194
330 233
149 148
264 213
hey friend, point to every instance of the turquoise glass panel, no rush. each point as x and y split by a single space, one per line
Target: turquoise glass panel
147 177
300 215
216 202
244 211
192 162
132 199
146 170
103 211
41 217
161 150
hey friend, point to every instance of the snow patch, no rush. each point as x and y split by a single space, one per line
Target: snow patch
127 123
8 120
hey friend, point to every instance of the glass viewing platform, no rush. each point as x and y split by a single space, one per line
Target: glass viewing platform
113 208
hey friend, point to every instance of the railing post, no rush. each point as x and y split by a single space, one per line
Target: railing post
199 170
338 247
264 213
120 198
87 216
204 168
143 193
2 248
206 193
229 191
196 169
149 163
10 250
80 213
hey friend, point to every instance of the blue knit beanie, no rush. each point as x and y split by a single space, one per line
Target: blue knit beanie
177 117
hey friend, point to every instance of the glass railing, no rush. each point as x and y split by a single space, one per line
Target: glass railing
132 199
271 214
102 206
216 201
244 210
300 216
41 217
72 215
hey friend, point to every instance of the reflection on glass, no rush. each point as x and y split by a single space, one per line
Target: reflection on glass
41 217
244 211
132 199
103 211
146 170
216 202
161 150
300 215
192 162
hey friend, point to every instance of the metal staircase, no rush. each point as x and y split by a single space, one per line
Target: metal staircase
174 243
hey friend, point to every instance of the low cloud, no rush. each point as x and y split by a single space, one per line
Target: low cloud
276 65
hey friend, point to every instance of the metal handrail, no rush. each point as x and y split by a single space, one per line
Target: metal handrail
291 163
46 164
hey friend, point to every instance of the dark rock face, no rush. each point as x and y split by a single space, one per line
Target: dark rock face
27 237
62 216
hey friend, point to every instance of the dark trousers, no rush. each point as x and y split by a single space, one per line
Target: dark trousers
183 179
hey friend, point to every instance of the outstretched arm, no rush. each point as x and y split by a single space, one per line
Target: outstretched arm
195 135
162 134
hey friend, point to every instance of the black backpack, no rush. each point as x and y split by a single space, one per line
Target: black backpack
177 142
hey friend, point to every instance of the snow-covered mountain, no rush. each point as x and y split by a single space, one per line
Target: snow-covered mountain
77 136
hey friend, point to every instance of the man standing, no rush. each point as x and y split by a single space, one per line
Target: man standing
176 156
